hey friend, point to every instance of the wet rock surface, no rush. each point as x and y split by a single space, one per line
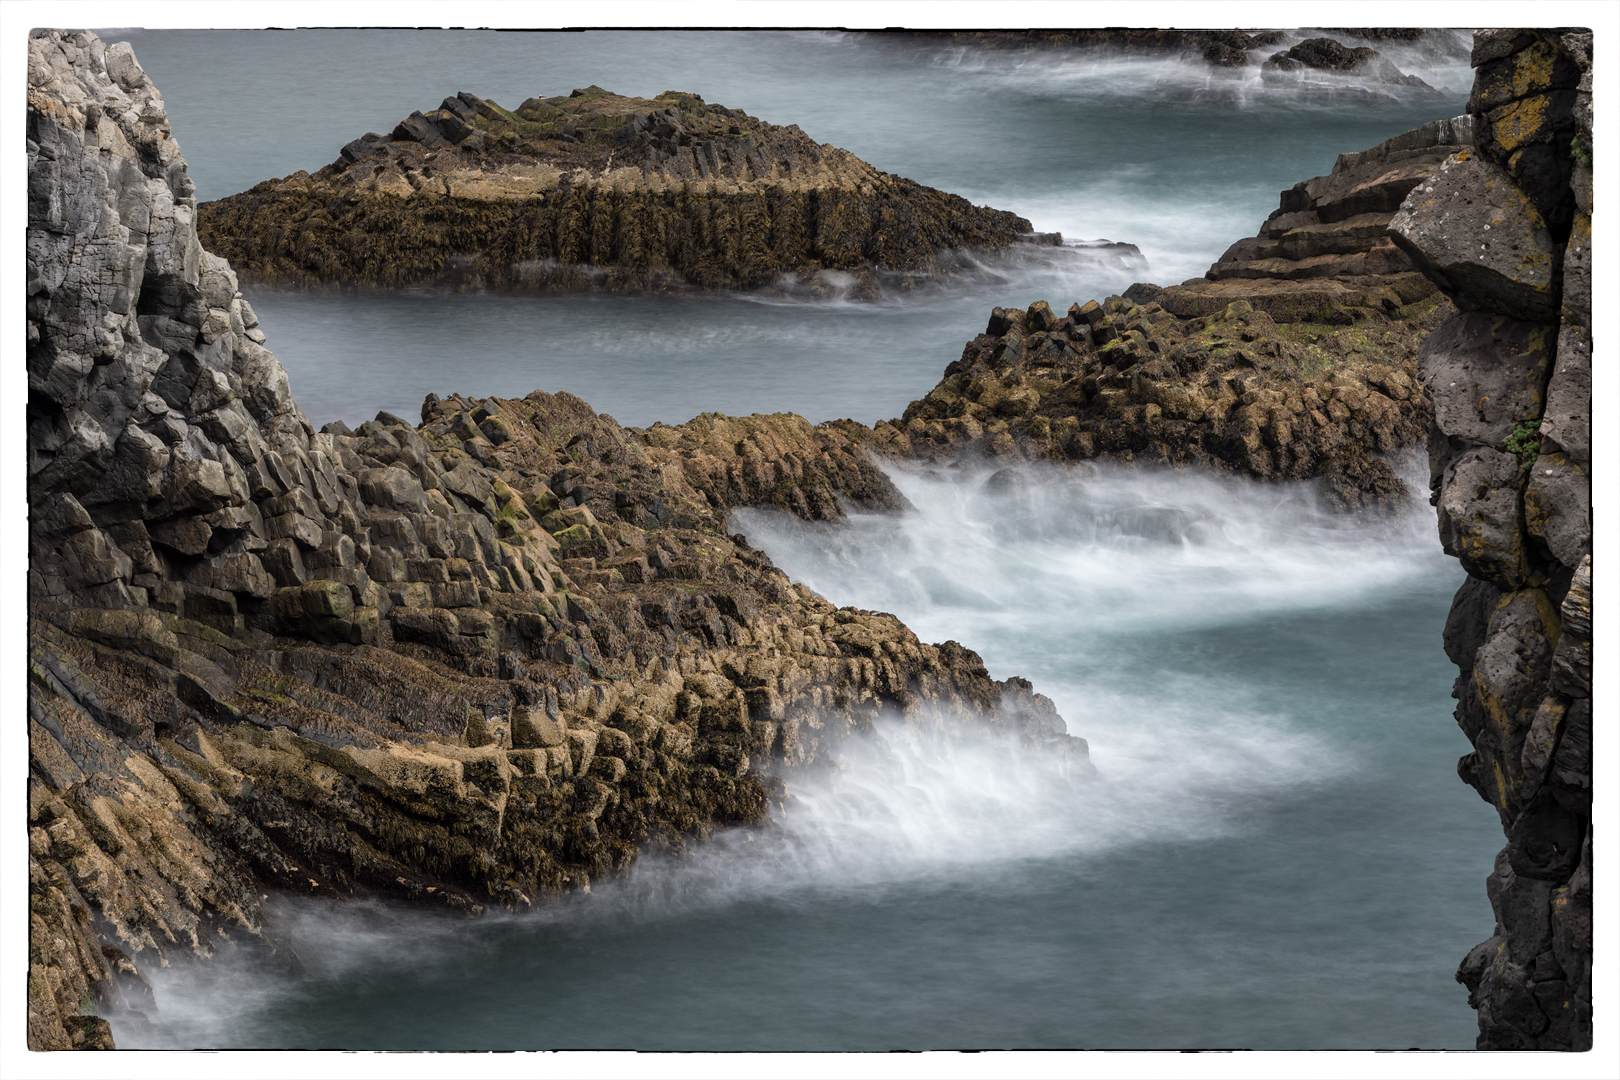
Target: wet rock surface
596 190
1503 229
470 661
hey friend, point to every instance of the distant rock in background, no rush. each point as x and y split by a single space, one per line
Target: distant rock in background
1326 54
1230 50
595 190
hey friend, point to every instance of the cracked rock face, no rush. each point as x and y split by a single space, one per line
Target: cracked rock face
1504 230
1471 228
148 397
1487 374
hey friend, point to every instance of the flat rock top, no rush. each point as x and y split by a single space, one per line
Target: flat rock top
474 148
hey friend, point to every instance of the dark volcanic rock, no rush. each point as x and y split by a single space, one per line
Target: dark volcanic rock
1511 383
1472 228
1323 54
1326 254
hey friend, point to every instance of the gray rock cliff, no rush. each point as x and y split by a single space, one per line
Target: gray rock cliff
1504 229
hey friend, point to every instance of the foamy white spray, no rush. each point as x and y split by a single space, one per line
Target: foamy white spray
1054 573
1068 576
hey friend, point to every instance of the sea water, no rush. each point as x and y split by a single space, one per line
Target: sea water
1274 852
1166 155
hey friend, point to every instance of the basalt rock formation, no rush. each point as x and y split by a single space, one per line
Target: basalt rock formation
1128 381
1326 253
471 661
598 190
1505 230
1295 358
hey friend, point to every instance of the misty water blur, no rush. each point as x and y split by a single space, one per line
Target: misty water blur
1274 852
1265 703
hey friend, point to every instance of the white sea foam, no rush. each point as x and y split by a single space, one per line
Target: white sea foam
900 811
1117 547
1441 60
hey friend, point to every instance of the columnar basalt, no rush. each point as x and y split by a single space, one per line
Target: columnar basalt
1504 229
471 661
598 190
1294 358
1126 380
1326 253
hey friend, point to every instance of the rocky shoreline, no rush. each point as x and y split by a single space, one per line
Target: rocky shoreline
490 656
1229 50
1293 358
595 190
470 662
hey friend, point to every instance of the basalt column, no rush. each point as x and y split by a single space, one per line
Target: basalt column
1504 229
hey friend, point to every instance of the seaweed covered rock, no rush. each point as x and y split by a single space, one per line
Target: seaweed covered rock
467 662
593 189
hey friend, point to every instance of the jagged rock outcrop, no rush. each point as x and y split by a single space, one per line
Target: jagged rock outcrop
599 190
1294 358
472 661
1326 54
1504 229
1128 381
1326 253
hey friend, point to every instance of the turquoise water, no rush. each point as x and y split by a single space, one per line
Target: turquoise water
1276 852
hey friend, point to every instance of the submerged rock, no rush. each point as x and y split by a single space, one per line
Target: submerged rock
474 661
596 190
